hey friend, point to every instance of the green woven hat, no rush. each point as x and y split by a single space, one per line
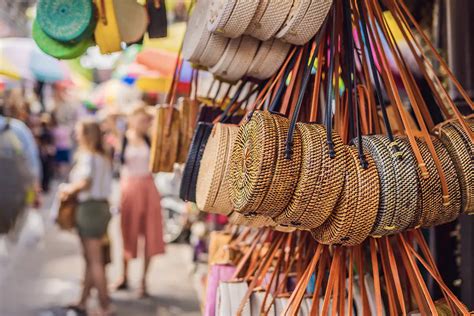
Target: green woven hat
66 20
59 49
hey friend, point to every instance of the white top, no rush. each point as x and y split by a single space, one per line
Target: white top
98 169
136 161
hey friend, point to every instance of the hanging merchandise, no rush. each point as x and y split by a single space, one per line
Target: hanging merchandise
66 20
158 26
107 33
315 136
132 20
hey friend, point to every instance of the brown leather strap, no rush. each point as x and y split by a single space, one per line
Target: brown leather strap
293 79
333 272
376 275
350 285
389 283
248 254
361 271
317 83
395 275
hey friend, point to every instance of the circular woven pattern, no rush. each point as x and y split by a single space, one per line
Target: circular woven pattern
268 59
309 184
256 221
213 51
433 212
368 184
310 24
296 14
259 12
461 151
252 163
272 19
197 35
58 49
211 170
285 173
242 59
219 14
239 19
398 178
329 183
221 67
336 228
66 20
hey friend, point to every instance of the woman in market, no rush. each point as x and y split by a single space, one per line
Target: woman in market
140 200
90 183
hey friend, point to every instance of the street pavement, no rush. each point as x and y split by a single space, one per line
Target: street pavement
39 280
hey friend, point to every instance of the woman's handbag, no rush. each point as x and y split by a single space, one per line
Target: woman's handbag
107 33
66 218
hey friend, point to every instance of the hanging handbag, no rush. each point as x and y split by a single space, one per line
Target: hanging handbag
268 18
57 49
107 34
132 20
158 25
230 18
66 20
461 151
188 112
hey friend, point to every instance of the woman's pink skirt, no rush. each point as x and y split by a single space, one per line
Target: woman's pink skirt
141 216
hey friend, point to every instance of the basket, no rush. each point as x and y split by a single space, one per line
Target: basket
269 18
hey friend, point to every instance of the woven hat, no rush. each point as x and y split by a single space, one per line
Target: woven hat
242 60
230 18
461 150
300 31
132 20
269 18
398 185
270 56
252 163
213 51
212 192
107 34
433 210
59 49
187 191
318 189
197 35
66 20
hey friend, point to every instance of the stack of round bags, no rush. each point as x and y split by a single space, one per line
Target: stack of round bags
246 174
236 39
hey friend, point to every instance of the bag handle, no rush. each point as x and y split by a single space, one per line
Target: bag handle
411 90
394 270
299 102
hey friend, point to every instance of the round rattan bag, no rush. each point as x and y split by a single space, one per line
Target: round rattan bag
212 191
320 182
261 179
354 215
461 150
230 18
433 210
398 184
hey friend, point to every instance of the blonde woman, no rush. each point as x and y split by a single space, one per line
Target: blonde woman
90 182
140 201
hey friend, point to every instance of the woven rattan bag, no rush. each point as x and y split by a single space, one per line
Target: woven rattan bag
261 179
230 18
187 191
461 150
268 59
212 188
354 215
188 112
304 20
165 140
398 205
